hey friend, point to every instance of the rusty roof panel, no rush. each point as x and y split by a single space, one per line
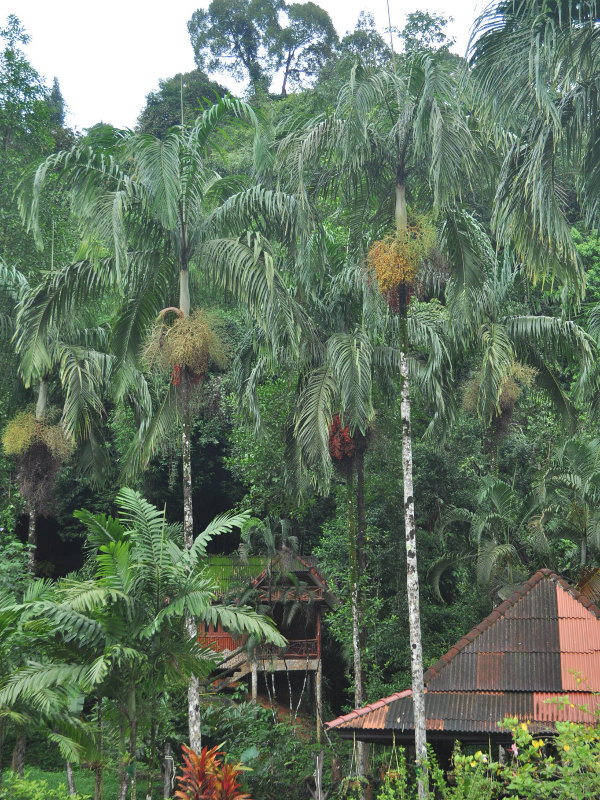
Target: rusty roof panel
376 719
490 670
580 671
579 707
579 635
463 711
481 711
434 724
499 672
569 607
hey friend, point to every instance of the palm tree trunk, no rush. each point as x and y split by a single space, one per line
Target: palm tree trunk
412 583
121 775
2 733
152 758
194 717
353 575
70 779
184 291
42 401
401 210
40 412
98 769
361 564
31 539
132 753
18 757
412 575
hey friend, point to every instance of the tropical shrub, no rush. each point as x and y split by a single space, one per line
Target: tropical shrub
28 788
566 765
204 776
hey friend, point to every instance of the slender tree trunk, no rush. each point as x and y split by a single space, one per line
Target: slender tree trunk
361 565
42 400
186 453
412 575
583 553
152 759
31 539
412 584
401 212
2 734
353 576
121 766
194 716
361 516
184 291
40 412
132 754
71 779
98 770
18 757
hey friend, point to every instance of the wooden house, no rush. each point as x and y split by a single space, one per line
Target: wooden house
292 591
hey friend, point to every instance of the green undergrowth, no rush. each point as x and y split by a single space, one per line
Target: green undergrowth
39 784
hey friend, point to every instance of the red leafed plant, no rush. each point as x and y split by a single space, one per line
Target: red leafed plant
341 446
204 776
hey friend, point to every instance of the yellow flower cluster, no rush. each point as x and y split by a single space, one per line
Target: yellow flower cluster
397 258
191 342
24 430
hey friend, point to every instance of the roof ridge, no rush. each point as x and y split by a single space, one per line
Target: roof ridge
490 620
359 712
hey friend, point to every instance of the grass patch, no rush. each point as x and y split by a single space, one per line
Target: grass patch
56 784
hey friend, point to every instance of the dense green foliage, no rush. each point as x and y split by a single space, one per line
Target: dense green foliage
375 204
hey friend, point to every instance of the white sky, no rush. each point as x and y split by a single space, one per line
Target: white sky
108 55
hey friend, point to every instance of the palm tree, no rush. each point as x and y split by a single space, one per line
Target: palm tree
334 418
119 634
154 206
514 350
504 529
535 66
74 353
394 138
574 483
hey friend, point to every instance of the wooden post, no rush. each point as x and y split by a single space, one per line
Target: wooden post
168 773
319 699
317 793
254 681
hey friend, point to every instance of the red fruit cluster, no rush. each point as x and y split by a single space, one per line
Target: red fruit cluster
341 446
204 776
176 374
394 300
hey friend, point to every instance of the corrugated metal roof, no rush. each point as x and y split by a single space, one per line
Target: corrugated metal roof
500 671
541 643
579 706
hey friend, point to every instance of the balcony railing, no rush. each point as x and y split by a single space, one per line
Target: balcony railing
296 648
